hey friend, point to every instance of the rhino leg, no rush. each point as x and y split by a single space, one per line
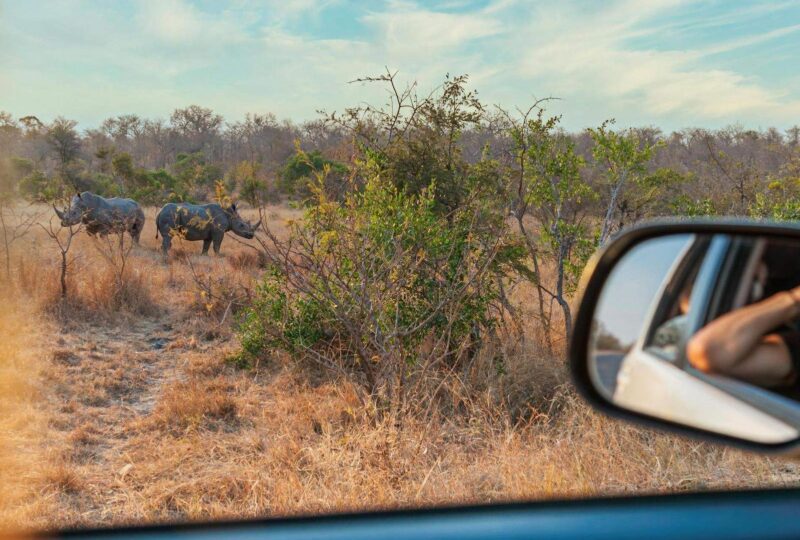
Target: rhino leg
206 245
217 243
135 231
166 242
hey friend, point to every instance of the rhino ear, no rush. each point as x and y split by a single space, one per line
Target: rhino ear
78 194
233 207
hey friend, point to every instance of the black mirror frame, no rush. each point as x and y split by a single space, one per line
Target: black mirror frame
594 277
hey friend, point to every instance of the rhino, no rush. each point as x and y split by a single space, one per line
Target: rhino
103 216
206 222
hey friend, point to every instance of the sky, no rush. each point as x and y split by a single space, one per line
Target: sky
628 294
667 63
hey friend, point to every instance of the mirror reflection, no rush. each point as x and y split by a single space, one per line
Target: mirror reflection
704 330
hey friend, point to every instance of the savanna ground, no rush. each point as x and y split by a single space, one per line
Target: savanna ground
121 405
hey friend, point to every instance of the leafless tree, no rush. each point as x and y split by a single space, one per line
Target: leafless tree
15 223
63 238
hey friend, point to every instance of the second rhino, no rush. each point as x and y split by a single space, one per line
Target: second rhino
206 222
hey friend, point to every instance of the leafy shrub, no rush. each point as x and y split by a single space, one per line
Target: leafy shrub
38 187
379 287
193 171
780 201
298 175
246 176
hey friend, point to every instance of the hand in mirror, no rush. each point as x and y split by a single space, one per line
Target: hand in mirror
744 343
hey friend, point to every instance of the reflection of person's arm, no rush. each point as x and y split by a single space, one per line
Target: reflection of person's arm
736 344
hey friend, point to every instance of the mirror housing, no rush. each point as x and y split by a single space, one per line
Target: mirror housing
582 353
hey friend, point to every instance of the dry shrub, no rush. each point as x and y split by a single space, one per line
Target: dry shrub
247 260
114 284
383 289
217 290
197 404
63 478
532 378
108 292
95 290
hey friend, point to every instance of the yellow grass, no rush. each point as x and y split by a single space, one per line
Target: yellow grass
119 407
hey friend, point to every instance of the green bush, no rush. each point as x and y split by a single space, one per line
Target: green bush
193 171
363 283
38 187
298 175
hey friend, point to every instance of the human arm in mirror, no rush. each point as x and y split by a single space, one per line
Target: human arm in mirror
743 344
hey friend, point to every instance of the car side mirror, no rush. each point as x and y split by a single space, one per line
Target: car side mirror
694 327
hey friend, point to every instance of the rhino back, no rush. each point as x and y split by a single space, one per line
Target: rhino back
99 214
195 221
126 206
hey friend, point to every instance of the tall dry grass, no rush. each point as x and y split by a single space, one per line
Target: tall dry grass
119 405
28 464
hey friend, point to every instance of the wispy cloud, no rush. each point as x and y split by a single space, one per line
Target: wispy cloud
664 62
749 41
591 58
408 29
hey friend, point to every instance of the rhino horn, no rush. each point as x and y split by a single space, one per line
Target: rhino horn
257 225
59 213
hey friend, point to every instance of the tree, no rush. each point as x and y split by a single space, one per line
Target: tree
622 157
64 139
122 165
733 157
651 194
262 139
414 140
195 120
194 172
105 155
62 237
253 187
299 173
15 223
199 128
122 128
547 185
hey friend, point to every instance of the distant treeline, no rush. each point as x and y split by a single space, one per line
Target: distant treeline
733 170
156 160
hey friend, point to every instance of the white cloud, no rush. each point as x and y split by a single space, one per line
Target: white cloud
408 30
583 57
178 22
749 41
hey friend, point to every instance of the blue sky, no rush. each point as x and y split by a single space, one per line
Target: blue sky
668 63
633 285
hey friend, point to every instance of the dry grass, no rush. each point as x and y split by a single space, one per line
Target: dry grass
27 482
120 407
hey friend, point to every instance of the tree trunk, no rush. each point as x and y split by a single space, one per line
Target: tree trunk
63 275
565 308
605 232
6 242
537 276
